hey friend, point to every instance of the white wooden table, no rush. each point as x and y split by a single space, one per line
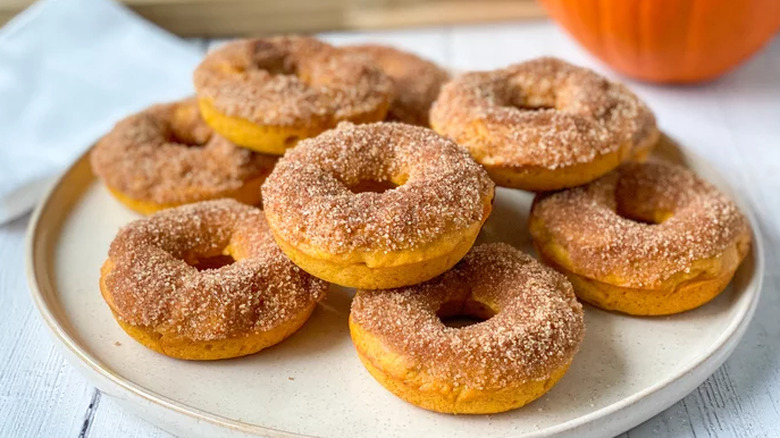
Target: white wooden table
734 122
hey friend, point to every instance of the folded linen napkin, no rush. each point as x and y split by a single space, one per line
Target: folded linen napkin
69 69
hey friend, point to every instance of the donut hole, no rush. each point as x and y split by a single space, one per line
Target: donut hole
638 205
291 141
185 128
642 217
530 102
372 186
277 66
459 314
526 106
212 262
267 56
187 140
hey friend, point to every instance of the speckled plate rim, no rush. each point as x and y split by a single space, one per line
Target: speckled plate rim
607 420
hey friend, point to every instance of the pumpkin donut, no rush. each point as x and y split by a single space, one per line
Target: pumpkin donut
168 287
377 206
417 81
266 94
532 328
646 239
167 156
544 124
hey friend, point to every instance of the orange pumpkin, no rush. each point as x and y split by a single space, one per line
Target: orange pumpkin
669 40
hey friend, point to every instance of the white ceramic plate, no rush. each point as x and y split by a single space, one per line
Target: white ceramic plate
627 370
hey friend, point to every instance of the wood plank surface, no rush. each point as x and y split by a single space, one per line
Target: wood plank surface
40 394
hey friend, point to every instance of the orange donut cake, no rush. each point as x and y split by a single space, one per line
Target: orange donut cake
377 206
532 328
544 124
646 239
417 81
171 285
166 156
268 93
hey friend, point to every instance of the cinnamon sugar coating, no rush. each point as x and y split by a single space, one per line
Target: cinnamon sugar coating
168 155
152 284
537 328
544 113
592 223
440 189
416 81
290 81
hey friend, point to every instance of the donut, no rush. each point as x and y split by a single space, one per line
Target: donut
532 327
167 156
544 124
378 205
266 94
645 239
205 281
416 81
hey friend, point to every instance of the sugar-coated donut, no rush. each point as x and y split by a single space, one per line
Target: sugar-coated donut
646 239
377 206
544 124
534 329
268 93
417 81
167 292
166 156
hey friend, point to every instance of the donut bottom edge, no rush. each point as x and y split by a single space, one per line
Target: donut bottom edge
540 179
439 257
179 347
424 391
248 193
707 280
273 139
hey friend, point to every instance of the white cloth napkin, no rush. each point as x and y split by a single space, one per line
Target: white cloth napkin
69 69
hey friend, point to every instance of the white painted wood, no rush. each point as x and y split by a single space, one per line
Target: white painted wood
40 395
112 420
734 122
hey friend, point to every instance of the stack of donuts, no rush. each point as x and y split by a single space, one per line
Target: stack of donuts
376 171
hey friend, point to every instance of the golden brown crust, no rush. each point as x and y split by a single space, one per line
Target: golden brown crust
543 113
153 284
417 81
290 81
537 328
440 190
689 220
166 154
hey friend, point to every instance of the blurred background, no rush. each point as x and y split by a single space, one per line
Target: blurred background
225 18
667 41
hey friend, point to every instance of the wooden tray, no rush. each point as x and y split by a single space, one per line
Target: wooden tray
628 369
225 18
